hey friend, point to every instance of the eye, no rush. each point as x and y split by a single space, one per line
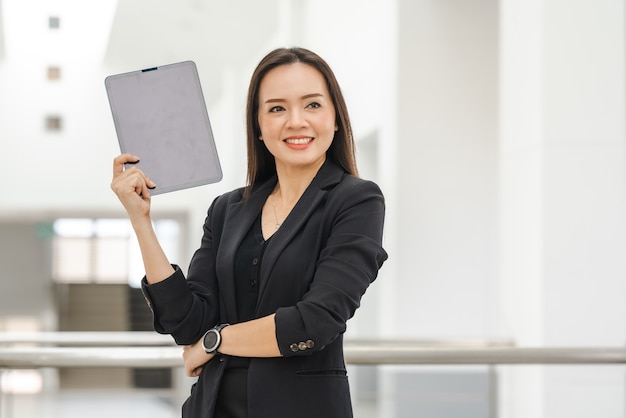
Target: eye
314 105
276 109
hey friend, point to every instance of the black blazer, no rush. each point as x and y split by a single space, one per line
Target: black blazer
314 272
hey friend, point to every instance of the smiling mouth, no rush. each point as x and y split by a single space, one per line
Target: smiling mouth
298 141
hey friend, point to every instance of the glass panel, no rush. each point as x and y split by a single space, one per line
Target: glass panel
113 228
105 250
167 230
19 324
71 260
74 227
111 260
21 381
135 263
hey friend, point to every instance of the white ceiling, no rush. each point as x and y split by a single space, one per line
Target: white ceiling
217 35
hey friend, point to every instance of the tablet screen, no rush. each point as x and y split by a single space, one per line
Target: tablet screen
160 116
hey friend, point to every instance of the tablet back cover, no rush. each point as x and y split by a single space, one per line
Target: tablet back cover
160 116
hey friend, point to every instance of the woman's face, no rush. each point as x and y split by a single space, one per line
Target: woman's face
296 116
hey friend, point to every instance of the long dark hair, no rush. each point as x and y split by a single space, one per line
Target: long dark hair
261 164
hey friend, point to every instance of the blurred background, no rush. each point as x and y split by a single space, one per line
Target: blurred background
494 128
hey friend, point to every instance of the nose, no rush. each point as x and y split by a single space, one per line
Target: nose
296 119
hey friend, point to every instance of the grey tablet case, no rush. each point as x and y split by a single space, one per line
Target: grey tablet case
160 116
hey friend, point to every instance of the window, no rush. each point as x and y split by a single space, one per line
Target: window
104 250
54 73
54 123
54 22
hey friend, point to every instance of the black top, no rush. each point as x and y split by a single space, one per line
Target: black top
247 269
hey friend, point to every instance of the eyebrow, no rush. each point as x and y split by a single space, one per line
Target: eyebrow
306 96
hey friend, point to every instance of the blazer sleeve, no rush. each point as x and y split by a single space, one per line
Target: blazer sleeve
187 307
348 262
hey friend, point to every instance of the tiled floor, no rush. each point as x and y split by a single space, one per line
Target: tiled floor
104 404
92 404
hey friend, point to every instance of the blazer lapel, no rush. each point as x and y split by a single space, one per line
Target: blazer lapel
328 175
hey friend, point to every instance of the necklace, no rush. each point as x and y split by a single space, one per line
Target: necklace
278 224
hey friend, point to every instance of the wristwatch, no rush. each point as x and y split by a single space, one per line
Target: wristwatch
213 338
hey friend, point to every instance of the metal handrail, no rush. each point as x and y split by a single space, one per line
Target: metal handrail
142 357
141 351
151 338
87 338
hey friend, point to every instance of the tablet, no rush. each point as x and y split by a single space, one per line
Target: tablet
160 116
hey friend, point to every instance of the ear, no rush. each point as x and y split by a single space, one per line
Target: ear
260 137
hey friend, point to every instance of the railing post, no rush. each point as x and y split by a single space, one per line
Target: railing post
6 401
492 381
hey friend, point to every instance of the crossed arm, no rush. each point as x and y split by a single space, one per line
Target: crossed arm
256 338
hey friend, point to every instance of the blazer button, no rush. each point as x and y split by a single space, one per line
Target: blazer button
302 346
293 347
310 344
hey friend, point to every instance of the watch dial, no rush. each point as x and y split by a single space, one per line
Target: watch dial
210 339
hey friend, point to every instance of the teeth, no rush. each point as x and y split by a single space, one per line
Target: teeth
299 141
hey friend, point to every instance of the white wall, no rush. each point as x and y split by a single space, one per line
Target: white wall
47 171
562 208
447 169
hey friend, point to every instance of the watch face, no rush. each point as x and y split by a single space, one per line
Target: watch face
210 340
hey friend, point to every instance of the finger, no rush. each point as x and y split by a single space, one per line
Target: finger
147 181
144 190
134 178
193 372
120 160
119 167
129 181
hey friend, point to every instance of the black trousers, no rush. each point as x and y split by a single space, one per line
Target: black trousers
232 399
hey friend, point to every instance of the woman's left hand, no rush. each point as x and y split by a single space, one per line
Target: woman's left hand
195 358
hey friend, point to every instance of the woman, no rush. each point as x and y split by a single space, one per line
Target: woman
284 261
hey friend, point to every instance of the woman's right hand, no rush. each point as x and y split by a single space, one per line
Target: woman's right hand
132 187
195 358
